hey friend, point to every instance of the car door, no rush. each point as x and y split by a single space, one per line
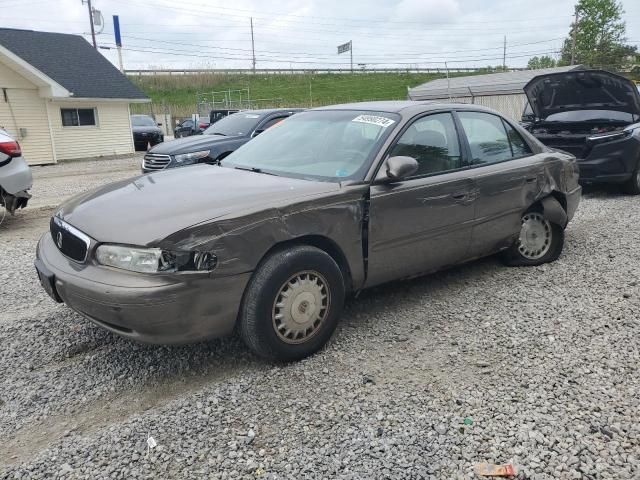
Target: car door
422 223
507 177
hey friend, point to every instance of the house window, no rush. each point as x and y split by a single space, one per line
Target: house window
78 117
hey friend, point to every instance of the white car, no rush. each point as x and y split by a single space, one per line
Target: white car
15 175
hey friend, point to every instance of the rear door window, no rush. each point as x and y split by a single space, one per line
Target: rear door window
519 147
487 137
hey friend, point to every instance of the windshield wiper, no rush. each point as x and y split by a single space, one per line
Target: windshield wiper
218 133
254 170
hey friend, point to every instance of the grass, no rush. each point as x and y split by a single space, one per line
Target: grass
177 93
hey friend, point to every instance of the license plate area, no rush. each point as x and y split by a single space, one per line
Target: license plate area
47 280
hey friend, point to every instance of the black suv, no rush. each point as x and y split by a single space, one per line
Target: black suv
594 115
145 132
216 142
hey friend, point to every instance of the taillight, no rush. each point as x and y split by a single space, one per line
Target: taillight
10 148
203 125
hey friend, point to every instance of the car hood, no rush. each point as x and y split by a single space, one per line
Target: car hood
146 129
189 144
146 209
581 90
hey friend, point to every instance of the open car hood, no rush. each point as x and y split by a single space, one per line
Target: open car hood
581 90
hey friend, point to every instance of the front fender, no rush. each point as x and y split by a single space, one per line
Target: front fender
241 241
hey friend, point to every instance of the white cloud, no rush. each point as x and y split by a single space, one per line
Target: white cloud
402 32
429 11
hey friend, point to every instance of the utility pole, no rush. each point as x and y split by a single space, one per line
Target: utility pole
253 49
93 32
504 55
446 68
573 38
351 51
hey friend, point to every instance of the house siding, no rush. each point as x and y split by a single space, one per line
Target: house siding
24 109
111 135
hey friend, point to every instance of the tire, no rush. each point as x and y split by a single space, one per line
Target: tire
536 251
266 322
632 186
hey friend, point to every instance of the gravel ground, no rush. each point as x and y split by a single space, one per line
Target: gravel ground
543 363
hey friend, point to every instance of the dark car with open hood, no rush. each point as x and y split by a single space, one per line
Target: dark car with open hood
216 142
269 241
594 115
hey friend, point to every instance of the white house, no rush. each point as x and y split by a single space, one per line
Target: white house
501 91
61 99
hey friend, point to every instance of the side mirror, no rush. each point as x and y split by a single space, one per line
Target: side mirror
401 167
159 124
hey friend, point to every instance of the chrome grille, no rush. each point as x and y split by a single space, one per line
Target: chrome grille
69 240
154 161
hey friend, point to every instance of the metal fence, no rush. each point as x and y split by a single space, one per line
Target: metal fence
306 71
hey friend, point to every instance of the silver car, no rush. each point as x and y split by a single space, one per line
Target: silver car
331 201
15 175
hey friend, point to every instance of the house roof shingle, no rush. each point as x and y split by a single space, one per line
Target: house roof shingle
72 62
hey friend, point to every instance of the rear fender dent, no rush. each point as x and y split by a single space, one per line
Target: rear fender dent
554 212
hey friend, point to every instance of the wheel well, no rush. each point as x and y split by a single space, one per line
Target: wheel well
554 207
559 196
326 245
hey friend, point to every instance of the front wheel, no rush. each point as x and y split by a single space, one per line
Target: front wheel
632 187
540 241
292 304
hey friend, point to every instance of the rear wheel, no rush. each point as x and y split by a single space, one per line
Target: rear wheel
632 187
540 241
292 304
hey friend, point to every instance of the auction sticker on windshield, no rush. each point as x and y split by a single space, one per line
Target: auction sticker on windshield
374 120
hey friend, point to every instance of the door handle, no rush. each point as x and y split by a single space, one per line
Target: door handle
459 196
531 179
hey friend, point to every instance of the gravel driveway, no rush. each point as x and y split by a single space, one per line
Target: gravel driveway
543 363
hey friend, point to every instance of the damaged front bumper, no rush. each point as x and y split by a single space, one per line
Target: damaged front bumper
613 161
150 308
15 183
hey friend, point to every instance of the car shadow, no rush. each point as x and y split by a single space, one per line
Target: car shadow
603 190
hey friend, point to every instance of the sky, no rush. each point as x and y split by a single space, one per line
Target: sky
305 33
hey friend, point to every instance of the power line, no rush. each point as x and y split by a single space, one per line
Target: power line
402 53
306 62
219 11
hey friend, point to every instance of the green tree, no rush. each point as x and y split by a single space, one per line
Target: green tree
544 61
600 36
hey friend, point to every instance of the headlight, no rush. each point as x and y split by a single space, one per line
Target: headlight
154 260
634 128
186 158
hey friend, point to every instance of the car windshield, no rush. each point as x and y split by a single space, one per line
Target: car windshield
326 145
591 115
238 124
142 121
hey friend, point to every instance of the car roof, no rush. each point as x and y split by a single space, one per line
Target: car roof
268 111
403 106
